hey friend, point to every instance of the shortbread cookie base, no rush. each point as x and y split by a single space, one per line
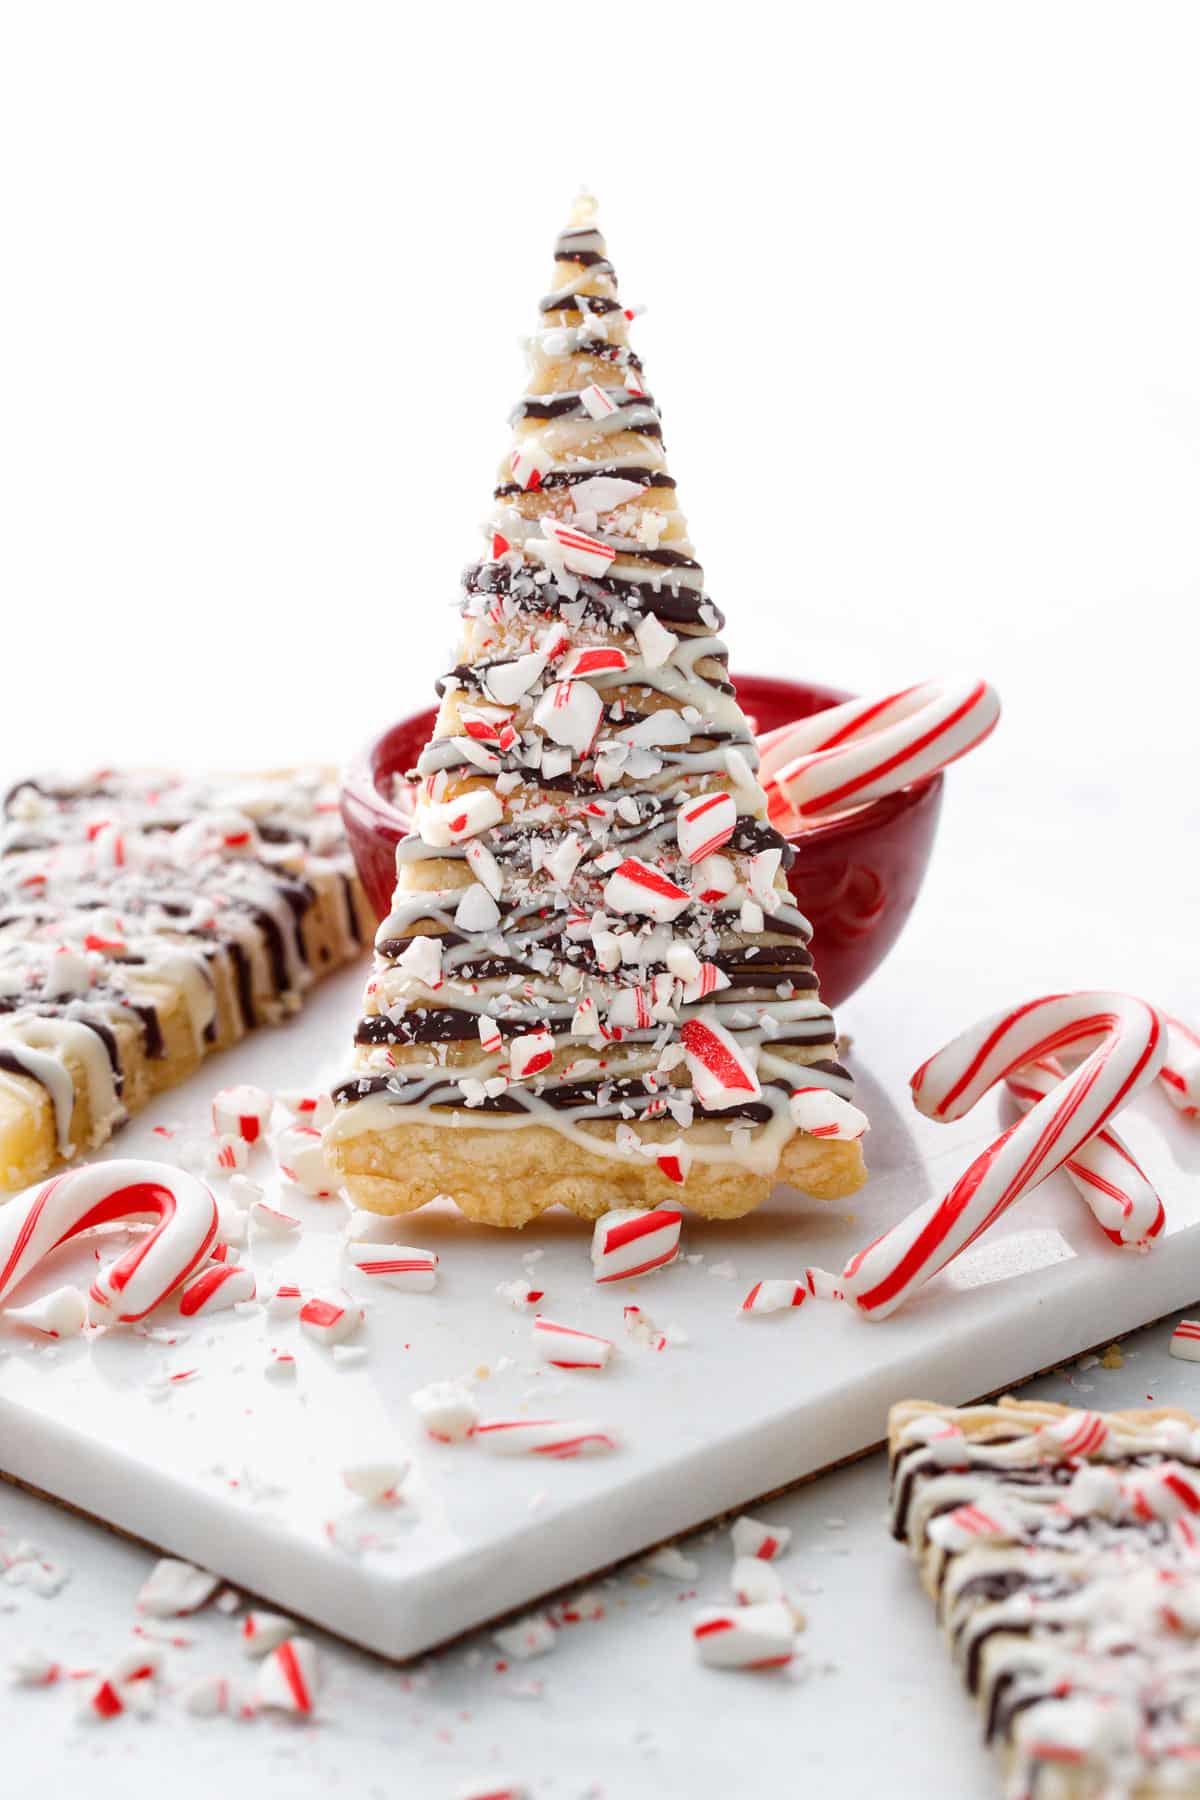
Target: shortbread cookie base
509 1177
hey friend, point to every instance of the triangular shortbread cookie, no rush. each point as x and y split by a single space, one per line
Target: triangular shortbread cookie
1062 1550
592 989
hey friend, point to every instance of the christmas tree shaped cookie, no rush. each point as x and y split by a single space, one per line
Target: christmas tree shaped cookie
592 989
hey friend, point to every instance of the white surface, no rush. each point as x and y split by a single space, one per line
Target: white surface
243 1474
619 1708
928 266
950 305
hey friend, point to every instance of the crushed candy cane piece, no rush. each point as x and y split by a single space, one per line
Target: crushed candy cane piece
826 1115
755 1582
61 1314
531 1054
308 1109
285 1302
704 824
216 1288
244 1192
721 1074
301 1157
629 1241
330 1318
228 1155
263 1632
560 1439
271 1221
638 887
671 1563
566 1348
521 1295
530 1637
207 1696
773 1296
396 1265
33 1668
241 1113
376 1481
569 712
287 1678
752 1538
173 1588
748 1637
447 1410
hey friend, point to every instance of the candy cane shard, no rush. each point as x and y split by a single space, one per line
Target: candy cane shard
395 1265
216 1289
447 1410
752 1538
263 1632
173 1588
241 1112
1109 1178
1125 1043
773 1296
565 1348
629 1241
559 1439
534 1636
867 749
745 1637
824 1114
755 1582
1185 1340
36 1222
722 1074
376 1482
287 1678
62 1314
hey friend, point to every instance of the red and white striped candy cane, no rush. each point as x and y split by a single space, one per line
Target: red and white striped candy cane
37 1221
1109 1178
1126 1042
868 748
1181 1072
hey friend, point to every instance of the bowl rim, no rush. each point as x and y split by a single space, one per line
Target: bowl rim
360 788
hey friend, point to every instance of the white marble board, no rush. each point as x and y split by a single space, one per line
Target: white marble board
243 1474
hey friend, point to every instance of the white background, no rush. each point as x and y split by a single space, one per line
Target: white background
924 284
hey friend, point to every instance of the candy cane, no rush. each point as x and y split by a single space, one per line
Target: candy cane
1181 1072
1126 1043
37 1221
868 748
1111 1181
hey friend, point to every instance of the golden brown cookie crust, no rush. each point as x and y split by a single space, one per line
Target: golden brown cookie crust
509 1177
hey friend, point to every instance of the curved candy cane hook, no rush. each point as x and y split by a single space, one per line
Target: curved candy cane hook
1126 1043
43 1217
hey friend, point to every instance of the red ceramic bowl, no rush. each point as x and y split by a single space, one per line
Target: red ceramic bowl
855 876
